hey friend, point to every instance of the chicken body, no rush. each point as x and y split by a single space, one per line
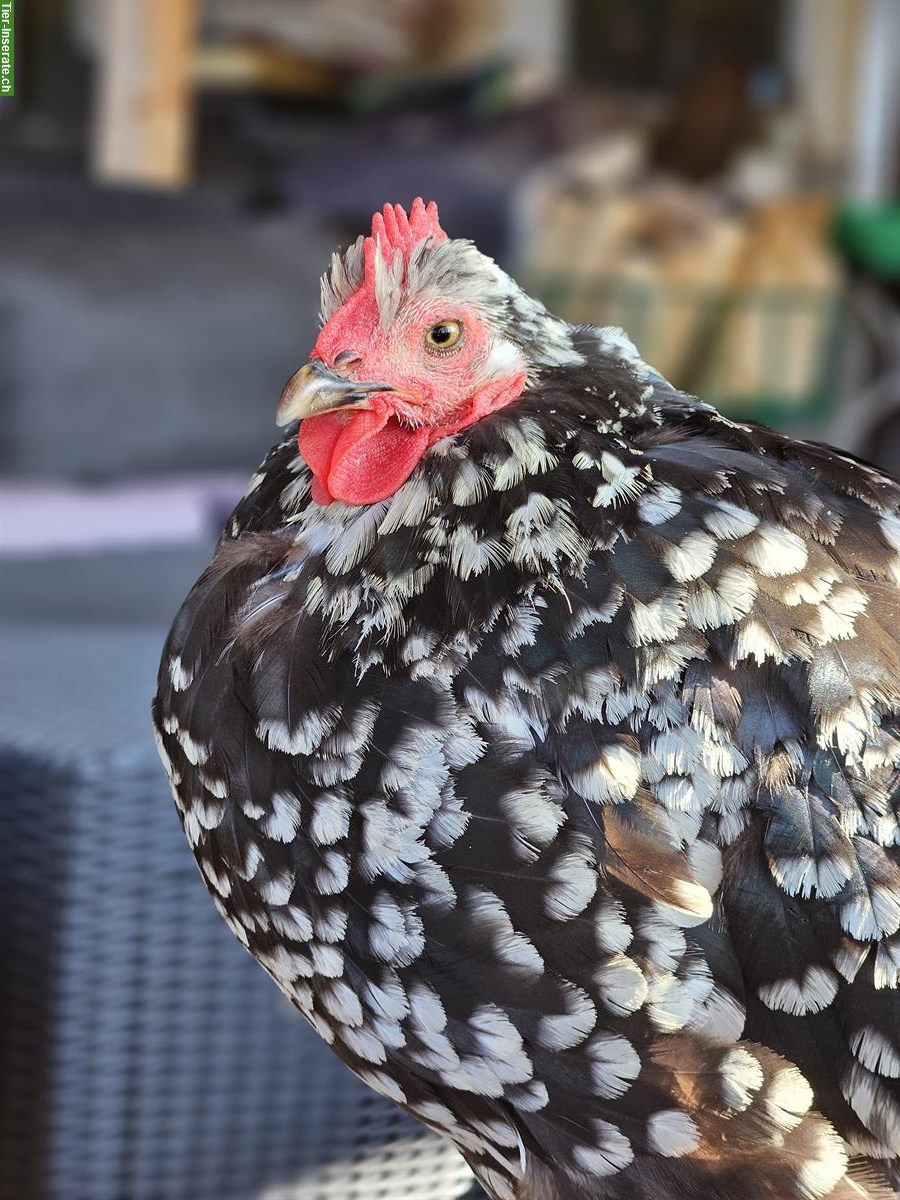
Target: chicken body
559 788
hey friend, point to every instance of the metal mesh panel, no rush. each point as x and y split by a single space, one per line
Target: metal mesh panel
147 1056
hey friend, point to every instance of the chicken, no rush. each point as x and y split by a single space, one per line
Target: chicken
537 729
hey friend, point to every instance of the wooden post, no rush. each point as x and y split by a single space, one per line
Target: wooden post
143 112
825 40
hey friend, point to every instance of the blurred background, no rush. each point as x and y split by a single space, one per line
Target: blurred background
718 177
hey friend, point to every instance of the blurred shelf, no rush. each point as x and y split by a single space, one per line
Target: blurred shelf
237 66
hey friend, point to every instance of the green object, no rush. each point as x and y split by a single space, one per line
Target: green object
7 48
868 235
757 354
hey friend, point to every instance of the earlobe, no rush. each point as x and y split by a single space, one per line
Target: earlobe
504 358
490 398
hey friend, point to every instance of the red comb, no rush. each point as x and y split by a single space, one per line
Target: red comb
393 230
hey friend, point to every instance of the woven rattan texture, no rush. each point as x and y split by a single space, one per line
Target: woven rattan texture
148 1057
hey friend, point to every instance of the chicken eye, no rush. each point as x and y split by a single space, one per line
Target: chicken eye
443 336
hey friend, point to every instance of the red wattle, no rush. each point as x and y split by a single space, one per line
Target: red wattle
370 455
361 460
317 439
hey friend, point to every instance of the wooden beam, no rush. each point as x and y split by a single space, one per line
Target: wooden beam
144 103
826 37
232 66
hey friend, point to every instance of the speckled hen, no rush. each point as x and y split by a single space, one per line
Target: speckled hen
538 731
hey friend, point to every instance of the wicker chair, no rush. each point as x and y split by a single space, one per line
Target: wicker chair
146 1055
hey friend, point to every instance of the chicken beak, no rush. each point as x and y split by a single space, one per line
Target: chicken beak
316 389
